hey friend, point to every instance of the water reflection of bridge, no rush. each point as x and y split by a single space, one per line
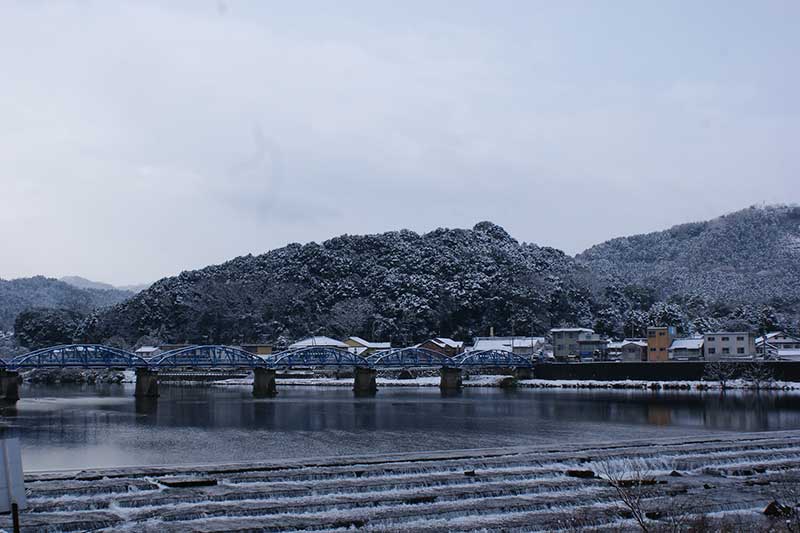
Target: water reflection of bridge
264 367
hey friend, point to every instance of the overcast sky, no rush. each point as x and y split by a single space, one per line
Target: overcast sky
140 139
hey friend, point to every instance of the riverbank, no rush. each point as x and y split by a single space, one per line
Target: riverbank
501 381
742 482
473 380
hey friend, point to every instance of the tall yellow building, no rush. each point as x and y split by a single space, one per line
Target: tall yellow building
658 341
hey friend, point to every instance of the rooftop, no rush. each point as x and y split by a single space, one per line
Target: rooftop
368 344
318 341
694 343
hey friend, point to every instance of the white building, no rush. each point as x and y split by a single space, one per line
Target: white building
517 345
777 343
728 344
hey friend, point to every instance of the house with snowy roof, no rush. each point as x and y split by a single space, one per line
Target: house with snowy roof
517 345
628 350
777 342
319 340
686 349
443 345
147 352
362 347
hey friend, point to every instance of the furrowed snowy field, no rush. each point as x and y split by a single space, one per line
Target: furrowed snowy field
573 487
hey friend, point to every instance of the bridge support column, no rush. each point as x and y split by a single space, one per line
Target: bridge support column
523 372
264 383
146 383
451 379
365 382
9 386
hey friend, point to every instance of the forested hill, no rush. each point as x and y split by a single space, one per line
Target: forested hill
737 272
750 256
398 285
17 295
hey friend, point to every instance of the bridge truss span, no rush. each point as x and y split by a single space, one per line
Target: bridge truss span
411 358
492 358
78 356
318 356
209 356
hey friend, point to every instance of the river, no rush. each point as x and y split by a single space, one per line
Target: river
81 426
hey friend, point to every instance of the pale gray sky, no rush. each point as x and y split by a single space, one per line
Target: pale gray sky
140 139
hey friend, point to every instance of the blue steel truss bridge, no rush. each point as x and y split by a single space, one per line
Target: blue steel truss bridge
264 367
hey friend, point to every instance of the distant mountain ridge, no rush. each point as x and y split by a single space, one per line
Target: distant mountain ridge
83 283
749 256
18 295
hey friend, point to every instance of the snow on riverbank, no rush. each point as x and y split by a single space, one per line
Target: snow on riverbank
500 381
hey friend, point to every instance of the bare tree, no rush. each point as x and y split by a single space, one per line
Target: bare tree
758 375
632 482
719 371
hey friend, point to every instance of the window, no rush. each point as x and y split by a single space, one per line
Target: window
726 350
726 338
651 333
712 351
739 350
661 333
560 347
712 339
661 349
652 349
739 338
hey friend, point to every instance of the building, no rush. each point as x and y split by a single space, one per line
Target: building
257 349
443 345
628 350
147 352
524 346
776 342
686 349
565 341
361 347
592 347
322 341
659 339
724 344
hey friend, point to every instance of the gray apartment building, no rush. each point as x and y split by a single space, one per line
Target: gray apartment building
725 344
576 342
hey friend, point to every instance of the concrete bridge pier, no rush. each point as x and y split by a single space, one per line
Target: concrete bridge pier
264 383
9 386
450 379
146 383
365 381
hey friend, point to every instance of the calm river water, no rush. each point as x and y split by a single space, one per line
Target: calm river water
74 426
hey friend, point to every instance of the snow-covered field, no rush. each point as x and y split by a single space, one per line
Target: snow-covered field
570 487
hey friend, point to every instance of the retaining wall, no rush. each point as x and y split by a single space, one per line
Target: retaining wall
662 371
